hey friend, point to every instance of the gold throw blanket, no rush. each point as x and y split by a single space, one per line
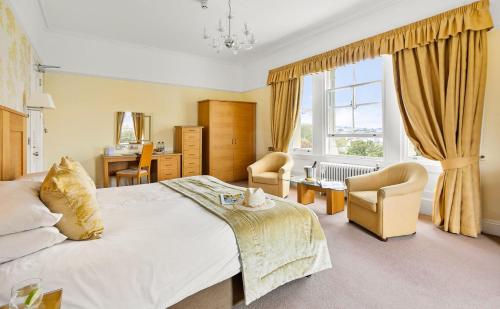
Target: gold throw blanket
276 245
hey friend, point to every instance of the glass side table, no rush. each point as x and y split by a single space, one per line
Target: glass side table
334 191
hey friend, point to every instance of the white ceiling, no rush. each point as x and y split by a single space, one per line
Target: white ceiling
177 25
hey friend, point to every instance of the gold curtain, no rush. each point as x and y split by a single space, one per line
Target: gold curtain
138 119
285 106
440 90
119 124
475 16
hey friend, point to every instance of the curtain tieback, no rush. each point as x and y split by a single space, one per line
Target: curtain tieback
453 163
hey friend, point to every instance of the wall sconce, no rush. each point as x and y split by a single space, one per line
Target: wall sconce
41 100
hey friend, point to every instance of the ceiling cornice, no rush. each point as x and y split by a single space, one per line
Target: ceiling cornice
49 28
322 27
44 14
263 50
260 51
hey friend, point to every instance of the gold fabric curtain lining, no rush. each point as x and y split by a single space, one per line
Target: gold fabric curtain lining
475 16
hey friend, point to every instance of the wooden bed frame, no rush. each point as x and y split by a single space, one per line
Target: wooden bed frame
13 143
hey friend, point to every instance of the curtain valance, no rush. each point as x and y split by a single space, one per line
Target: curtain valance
475 16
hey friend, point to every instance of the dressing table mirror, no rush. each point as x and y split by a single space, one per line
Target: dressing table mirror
132 128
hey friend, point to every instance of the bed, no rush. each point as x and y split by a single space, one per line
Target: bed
162 248
150 226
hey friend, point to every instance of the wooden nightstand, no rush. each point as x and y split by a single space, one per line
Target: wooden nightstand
51 300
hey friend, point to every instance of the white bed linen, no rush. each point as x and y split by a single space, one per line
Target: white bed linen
158 247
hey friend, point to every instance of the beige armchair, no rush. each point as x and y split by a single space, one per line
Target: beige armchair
271 173
387 202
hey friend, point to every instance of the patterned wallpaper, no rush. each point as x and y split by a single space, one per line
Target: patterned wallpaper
17 58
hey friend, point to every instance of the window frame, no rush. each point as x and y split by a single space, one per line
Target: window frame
330 91
419 159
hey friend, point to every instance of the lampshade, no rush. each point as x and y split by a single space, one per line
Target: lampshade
41 100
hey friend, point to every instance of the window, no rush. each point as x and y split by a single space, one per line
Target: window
303 135
127 134
413 152
355 96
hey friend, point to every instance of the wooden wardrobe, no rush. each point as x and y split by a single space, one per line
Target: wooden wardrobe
228 138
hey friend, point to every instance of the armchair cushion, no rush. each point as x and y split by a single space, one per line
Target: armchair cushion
270 178
365 199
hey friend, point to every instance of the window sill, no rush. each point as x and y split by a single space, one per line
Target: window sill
301 152
368 161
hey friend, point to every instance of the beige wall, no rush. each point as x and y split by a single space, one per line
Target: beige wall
490 147
83 122
263 98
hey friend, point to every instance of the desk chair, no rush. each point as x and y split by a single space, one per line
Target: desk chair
143 169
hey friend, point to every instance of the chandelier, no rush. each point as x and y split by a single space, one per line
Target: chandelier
229 39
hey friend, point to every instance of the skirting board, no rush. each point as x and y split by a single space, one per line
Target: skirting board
426 207
491 227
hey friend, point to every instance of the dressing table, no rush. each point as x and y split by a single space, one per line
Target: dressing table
163 166
133 129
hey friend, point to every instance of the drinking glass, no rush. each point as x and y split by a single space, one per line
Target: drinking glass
26 294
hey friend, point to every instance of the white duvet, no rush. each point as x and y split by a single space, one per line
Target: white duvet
158 247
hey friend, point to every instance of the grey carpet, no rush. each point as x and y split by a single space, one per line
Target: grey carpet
431 269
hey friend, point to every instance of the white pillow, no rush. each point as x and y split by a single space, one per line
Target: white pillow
16 245
21 208
40 176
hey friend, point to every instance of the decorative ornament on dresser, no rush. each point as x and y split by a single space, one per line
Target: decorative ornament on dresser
229 39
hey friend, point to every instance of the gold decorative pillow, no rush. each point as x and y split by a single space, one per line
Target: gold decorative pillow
67 189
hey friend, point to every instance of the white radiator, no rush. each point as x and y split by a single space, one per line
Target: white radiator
339 172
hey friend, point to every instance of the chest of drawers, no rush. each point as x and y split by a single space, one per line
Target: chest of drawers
169 167
188 143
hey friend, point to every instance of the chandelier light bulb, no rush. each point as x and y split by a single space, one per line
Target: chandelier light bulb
252 40
220 28
246 31
215 43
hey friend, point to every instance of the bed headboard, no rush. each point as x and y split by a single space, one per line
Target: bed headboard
13 142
